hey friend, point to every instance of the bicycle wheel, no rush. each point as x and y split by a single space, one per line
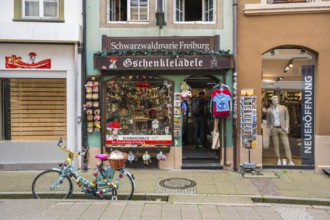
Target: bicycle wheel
50 185
125 183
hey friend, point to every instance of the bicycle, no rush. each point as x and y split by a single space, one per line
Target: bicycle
56 183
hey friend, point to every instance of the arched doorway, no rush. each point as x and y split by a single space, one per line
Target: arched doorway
288 100
201 156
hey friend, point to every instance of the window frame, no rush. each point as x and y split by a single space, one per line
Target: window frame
204 11
19 13
129 17
41 10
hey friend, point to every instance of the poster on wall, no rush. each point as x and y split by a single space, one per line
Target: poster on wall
307 127
14 62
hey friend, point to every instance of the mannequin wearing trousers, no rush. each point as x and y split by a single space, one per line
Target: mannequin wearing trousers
278 124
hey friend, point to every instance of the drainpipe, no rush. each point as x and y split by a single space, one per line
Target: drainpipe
83 80
235 81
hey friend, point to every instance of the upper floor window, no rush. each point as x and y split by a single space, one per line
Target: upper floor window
194 10
128 10
41 9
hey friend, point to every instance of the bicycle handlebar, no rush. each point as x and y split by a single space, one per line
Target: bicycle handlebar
70 153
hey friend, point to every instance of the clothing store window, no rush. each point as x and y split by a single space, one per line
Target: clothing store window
128 10
33 109
139 112
288 107
194 10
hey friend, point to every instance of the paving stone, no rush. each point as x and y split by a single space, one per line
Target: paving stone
291 212
152 210
209 211
206 189
113 211
132 210
318 214
190 211
227 213
95 210
58 208
266 187
248 213
171 211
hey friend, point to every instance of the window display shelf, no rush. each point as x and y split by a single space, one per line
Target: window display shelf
141 150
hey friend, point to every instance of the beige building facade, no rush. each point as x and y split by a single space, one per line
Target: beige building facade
284 50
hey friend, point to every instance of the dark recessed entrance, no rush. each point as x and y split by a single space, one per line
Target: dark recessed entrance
201 157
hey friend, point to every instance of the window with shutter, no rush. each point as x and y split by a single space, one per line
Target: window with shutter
35 109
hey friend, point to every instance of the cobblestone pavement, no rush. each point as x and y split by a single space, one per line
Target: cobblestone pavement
91 209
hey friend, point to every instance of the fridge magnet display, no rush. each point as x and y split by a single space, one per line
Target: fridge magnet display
177 96
177 103
177 110
177 133
91 106
177 125
176 119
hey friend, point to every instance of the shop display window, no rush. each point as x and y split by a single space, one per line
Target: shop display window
288 108
138 112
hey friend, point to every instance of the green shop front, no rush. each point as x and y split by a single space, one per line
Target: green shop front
135 103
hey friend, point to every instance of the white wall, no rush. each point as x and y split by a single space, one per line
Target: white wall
16 31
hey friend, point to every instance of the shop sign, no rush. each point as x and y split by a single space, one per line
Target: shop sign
179 43
163 62
307 150
141 139
14 62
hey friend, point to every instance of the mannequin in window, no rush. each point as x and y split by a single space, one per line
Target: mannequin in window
278 124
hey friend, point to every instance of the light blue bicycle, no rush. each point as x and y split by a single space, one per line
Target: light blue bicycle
57 183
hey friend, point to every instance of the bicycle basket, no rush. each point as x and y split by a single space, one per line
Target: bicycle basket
117 159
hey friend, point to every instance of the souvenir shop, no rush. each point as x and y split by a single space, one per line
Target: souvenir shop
136 102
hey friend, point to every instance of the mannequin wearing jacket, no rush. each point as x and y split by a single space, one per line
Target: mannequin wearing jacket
278 124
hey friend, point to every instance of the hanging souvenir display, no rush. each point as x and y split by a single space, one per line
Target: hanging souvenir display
161 156
91 106
185 91
131 157
146 158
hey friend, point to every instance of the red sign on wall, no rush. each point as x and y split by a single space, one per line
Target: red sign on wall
14 62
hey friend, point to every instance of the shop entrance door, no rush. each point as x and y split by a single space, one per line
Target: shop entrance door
198 155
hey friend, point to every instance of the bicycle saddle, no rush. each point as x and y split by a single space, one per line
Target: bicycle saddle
102 157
